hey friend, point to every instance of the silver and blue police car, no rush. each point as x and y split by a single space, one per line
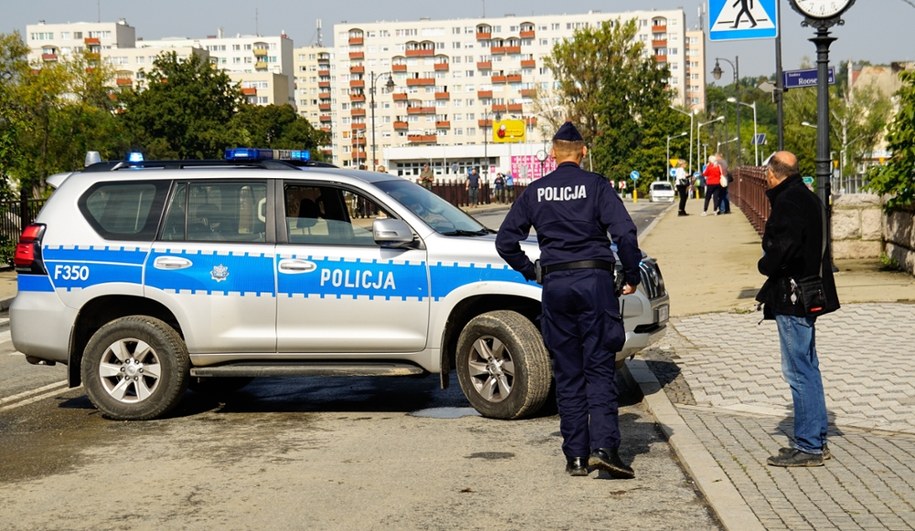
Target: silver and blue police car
146 277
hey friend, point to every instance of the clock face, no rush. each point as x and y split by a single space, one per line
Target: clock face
822 8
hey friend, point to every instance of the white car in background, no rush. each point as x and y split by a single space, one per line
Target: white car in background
661 191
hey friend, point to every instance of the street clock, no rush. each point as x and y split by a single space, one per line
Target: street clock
821 9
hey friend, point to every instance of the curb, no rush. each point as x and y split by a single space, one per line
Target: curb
725 501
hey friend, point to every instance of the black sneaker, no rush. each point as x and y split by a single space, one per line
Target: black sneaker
826 453
608 460
577 466
794 458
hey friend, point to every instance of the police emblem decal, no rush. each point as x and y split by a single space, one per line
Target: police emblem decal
219 273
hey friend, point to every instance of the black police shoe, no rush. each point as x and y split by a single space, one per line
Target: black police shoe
795 457
577 466
608 460
826 453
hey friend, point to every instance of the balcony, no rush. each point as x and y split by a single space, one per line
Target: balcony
443 124
357 126
421 82
443 95
487 123
360 155
484 35
260 52
358 69
528 93
356 41
484 94
660 58
513 78
498 107
505 50
532 121
420 109
324 72
323 58
356 56
356 97
124 82
250 91
422 139
484 65
358 141
260 65
324 84
398 68
441 67
497 79
659 29
357 83
527 34
324 107
659 43
324 95
421 52
358 112
400 126
92 41
324 118
514 107
49 57
326 128
399 96
528 63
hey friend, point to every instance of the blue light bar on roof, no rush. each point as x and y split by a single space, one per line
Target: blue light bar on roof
240 153
135 156
300 154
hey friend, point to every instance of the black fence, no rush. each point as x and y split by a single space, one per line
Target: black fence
14 215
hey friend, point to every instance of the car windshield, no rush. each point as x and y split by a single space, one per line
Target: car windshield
439 214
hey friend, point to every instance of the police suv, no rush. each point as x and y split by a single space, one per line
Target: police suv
146 278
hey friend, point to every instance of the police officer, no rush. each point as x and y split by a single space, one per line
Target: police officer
573 211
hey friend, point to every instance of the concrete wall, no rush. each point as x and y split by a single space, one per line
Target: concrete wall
900 238
857 226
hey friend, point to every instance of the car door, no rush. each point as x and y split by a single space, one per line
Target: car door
212 266
337 290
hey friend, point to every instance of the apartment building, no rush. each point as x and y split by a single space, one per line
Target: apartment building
450 80
312 87
57 42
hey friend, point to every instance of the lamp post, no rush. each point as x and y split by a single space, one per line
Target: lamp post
755 139
691 116
389 84
716 72
667 161
699 138
719 144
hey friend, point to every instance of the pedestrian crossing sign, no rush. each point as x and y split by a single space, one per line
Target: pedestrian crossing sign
742 19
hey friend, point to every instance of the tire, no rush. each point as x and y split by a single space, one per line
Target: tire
135 368
503 366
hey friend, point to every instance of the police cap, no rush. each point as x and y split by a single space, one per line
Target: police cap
568 132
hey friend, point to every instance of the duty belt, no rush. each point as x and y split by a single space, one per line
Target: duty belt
578 264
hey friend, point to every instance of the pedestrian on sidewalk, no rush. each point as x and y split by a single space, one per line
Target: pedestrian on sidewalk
573 211
724 201
473 187
682 184
426 177
499 184
794 248
712 174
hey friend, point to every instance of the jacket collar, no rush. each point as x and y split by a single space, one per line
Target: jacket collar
790 181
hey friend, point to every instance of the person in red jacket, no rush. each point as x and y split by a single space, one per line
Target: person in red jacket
712 174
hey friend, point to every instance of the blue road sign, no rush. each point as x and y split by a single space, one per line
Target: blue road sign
805 78
742 19
634 175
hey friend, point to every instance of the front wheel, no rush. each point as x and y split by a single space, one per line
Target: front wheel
503 366
135 368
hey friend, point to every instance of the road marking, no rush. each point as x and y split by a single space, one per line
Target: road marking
33 395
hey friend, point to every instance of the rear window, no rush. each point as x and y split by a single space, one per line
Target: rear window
125 210
662 186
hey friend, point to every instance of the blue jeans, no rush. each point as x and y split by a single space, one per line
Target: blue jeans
801 370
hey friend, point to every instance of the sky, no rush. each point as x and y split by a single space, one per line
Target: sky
879 31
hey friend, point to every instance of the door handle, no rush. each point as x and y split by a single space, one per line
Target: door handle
295 266
172 263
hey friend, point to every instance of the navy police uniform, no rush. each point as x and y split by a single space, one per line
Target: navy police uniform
572 211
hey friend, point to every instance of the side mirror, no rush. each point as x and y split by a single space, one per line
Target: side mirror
392 232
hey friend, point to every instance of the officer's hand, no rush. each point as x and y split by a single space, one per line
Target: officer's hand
628 289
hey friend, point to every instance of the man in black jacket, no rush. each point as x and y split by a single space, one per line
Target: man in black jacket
794 248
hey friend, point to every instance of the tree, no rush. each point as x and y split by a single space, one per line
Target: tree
618 96
897 178
183 110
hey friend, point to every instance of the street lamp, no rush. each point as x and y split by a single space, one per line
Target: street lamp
691 116
699 138
808 124
666 162
755 138
719 144
716 72
389 84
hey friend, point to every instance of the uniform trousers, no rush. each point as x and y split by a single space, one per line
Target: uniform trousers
583 331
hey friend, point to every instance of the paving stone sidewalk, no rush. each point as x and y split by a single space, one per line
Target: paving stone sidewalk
722 373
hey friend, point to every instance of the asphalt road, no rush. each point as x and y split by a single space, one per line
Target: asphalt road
341 453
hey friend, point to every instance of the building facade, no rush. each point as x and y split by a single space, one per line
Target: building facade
312 87
450 80
58 42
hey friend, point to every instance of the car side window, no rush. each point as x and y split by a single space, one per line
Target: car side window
217 211
126 210
329 215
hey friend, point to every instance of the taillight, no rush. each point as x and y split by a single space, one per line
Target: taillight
28 251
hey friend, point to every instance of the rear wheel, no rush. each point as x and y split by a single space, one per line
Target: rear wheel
135 368
503 366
